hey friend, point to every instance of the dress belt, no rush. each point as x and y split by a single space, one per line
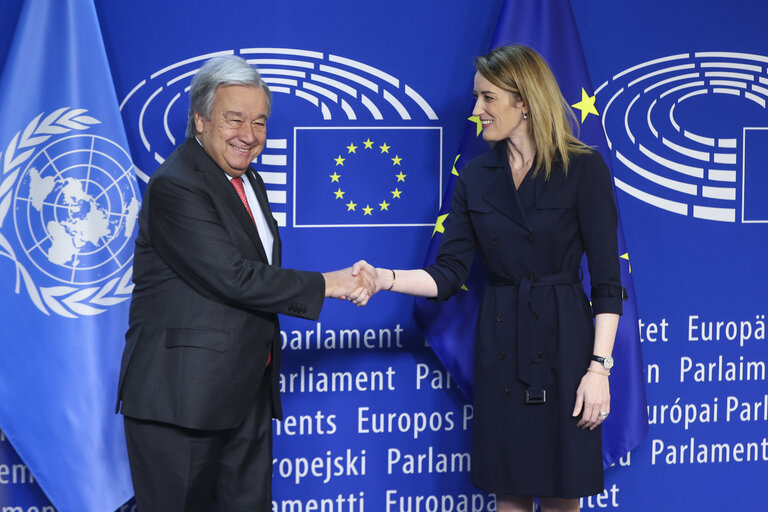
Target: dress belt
525 315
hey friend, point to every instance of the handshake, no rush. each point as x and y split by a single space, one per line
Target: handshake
357 283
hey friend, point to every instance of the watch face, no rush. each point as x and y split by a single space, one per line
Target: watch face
608 362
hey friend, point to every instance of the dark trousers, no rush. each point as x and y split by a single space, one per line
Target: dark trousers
177 469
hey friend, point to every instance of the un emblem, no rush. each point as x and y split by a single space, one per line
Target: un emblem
74 202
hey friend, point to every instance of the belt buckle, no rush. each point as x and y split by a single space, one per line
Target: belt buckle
535 396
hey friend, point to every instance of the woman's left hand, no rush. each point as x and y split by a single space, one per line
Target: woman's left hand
593 400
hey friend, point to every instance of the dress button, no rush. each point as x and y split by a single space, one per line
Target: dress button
529 240
502 355
495 241
507 392
534 278
499 317
540 354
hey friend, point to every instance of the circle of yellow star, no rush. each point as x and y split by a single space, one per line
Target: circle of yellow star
351 148
339 194
401 176
384 148
368 143
351 206
335 177
367 210
396 193
396 160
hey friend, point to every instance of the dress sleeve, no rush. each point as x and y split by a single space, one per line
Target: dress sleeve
457 249
598 222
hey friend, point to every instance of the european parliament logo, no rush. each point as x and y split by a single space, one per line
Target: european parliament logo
348 144
689 134
68 209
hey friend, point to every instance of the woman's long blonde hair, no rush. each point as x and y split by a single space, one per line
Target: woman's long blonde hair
523 72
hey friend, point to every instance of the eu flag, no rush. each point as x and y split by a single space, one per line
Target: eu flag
68 206
549 28
366 176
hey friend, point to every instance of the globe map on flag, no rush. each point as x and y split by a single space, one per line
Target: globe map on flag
75 210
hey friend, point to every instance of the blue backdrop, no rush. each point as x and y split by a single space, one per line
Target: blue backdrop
374 423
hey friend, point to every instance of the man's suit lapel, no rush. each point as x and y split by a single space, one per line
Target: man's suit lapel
219 184
500 192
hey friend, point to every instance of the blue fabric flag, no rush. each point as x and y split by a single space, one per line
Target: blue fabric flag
68 207
549 28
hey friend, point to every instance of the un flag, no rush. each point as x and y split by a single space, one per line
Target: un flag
68 206
347 177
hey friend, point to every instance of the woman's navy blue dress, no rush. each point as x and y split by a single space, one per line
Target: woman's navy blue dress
535 330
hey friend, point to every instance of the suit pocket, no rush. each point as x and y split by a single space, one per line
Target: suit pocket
479 211
211 339
478 205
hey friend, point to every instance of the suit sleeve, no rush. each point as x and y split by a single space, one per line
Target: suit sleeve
598 222
186 229
457 248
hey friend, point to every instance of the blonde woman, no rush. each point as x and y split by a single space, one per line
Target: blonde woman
533 206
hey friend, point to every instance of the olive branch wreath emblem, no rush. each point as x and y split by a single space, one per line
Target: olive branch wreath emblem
66 301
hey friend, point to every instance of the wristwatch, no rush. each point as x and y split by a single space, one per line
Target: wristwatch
606 361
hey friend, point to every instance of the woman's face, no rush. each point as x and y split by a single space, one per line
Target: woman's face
500 112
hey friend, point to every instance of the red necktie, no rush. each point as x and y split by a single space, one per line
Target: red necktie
238 184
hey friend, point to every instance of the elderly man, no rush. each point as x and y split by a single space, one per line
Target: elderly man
198 381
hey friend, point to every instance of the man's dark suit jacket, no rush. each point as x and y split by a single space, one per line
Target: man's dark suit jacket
203 317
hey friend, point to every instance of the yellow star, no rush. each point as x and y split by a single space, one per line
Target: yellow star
351 206
335 177
339 160
464 287
368 143
396 160
479 127
367 210
351 148
454 171
625 256
384 205
439 228
384 148
339 194
396 193
401 176
586 105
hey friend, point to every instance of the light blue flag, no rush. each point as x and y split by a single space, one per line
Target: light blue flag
68 207
548 27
